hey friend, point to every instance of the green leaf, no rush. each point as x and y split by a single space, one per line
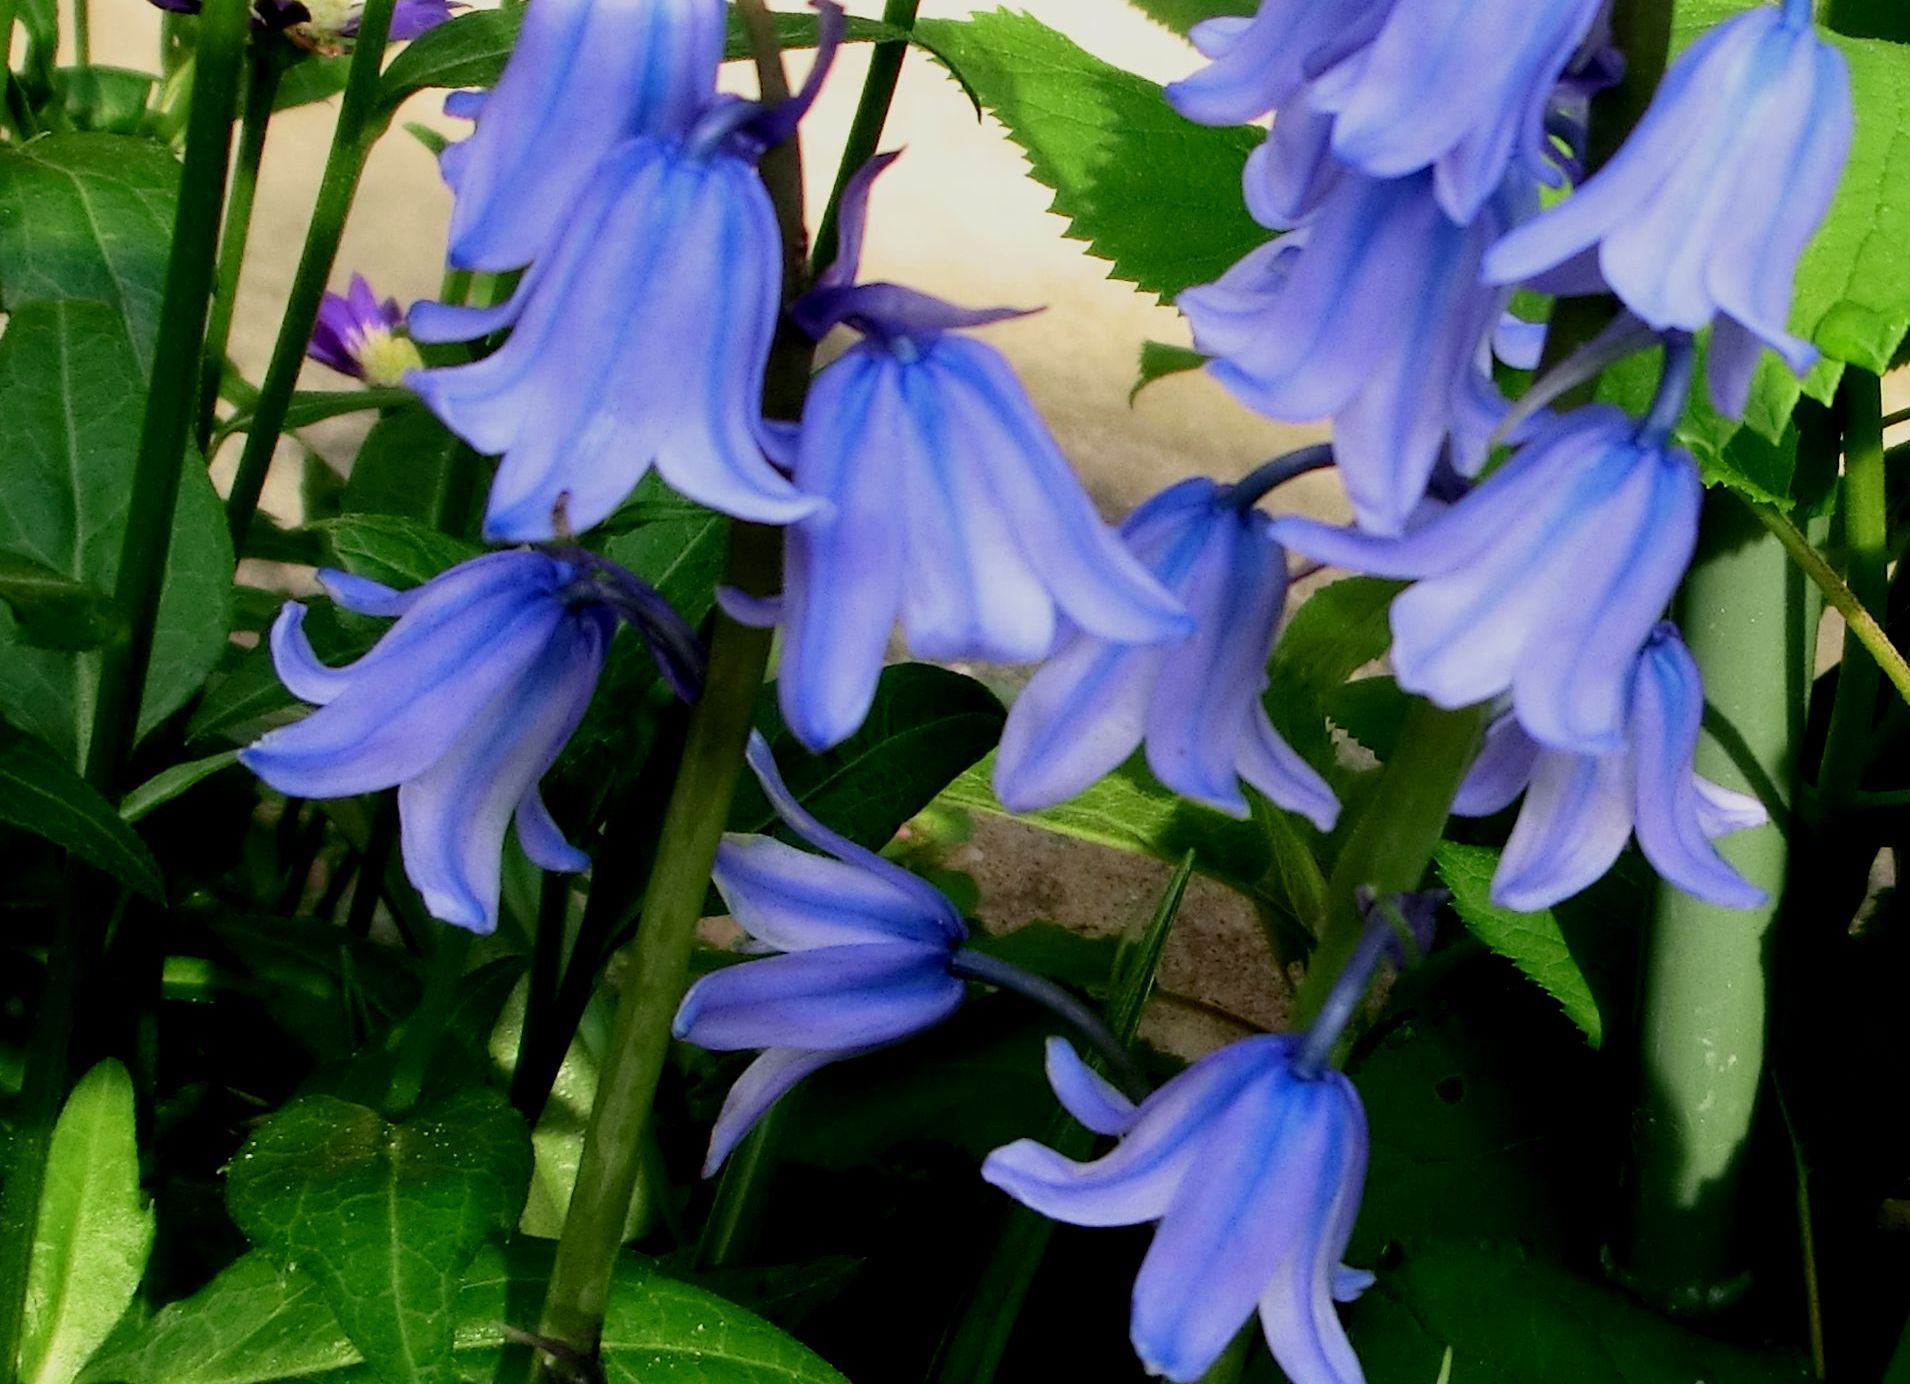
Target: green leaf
309 406
385 1217
414 467
1340 629
1154 194
251 692
168 784
41 794
1183 15
89 216
1533 942
1370 710
398 552
94 1232
255 1325
53 612
309 80
1159 359
70 407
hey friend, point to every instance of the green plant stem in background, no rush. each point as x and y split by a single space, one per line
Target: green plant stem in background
865 130
426 1027
379 842
1861 623
729 1231
358 129
83 32
1867 541
266 62
1704 1006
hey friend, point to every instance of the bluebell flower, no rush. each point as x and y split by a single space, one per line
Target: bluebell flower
1258 65
357 335
1463 90
1372 315
585 76
866 949
1545 580
1704 211
463 705
1252 1161
1193 701
946 505
1579 810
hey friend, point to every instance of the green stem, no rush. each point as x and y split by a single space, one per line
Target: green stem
358 128
379 842
730 1231
82 33
528 1090
425 1029
1867 538
865 130
261 90
173 390
1861 623
1704 1008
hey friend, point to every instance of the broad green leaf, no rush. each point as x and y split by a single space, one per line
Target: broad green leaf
413 467
94 1232
1370 710
89 216
41 794
1183 15
926 726
168 784
1152 193
1869 19
70 406
251 692
1340 629
309 406
398 552
254 1325
54 612
1533 942
1159 359
385 1217
309 80
109 99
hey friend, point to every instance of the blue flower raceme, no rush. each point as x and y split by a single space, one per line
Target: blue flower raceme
641 336
1579 810
1260 64
1546 580
357 335
947 506
866 950
1372 314
585 76
463 704
1194 701
1704 211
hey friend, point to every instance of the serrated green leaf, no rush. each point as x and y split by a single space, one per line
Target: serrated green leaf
413 467
1533 942
70 406
398 552
1159 359
385 1217
53 612
89 216
94 1232
168 784
41 794
1157 196
1338 630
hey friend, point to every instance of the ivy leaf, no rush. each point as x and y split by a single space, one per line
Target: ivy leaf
94 1232
41 794
385 1217
1154 194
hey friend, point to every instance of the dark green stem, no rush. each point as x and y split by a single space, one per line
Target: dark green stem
872 114
425 1029
969 964
358 128
1867 540
383 836
267 63
729 1233
83 33
528 1092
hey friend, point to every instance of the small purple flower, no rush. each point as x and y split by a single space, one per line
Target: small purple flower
1252 1161
463 705
1546 579
1372 315
1704 211
1258 65
948 507
866 948
268 15
585 76
409 18
1580 809
1194 701
359 336
1463 90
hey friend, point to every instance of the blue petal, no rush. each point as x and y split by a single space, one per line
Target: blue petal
543 840
795 901
764 1082
1500 773
1085 1094
298 667
1079 717
1271 765
365 596
1291 174
1256 67
826 999
1576 817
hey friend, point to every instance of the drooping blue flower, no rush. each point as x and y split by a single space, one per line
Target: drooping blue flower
1545 580
1371 315
357 335
1579 810
1258 65
1193 701
1252 1163
640 337
585 76
948 507
1464 90
866 949
1702 214
463 704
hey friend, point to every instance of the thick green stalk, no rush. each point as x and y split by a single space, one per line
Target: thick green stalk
358 128
1867 539
865 130
1862 625
173 390
1704 1009
267 62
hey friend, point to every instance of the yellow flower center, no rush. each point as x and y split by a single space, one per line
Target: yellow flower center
386 358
